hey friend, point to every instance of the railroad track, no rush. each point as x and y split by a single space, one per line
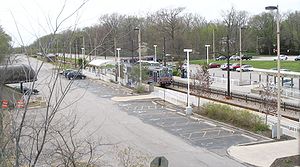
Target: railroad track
181 87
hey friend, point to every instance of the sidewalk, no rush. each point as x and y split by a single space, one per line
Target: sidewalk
264 155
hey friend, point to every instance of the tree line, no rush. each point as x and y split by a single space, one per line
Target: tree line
172 30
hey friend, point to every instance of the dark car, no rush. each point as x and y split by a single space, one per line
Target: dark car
221 58
214 65
25 90
65 72
75 75
246 57
297 58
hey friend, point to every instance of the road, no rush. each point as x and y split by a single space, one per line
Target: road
143 125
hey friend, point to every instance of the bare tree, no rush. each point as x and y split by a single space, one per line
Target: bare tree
268 96
202 82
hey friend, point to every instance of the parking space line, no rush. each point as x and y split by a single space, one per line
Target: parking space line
216 137
249 137
226 129
209 123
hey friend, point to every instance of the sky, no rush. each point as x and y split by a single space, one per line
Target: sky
26 20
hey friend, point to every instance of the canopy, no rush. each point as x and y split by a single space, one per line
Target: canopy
100 62
16 73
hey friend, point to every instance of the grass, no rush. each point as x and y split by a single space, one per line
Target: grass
235 117
291 65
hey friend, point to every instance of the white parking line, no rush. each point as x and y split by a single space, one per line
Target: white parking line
209 123
249 137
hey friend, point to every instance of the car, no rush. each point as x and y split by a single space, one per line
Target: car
27 91
246 57
214 65
287 82
282 57
234 57
75 75
224 66
66 71
234 66
297 58
221 58
245 68
282 69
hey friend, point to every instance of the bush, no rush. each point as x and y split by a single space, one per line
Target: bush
239 118
139 89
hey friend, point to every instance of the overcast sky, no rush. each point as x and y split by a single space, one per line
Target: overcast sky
33 17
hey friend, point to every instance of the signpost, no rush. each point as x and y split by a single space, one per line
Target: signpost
159 162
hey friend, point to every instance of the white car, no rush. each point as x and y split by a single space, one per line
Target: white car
282 57
245 68
234 57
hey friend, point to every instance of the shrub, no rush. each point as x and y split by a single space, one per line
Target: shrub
239 118
139 89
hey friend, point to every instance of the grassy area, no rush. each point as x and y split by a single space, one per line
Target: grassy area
235 117
291 65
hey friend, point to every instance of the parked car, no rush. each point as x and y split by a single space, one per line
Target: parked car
282 57
287 82
234 66
246 57
25 90
75 75
66 71
282 69
221 58
214 65
297 58
234 57
224 66
245 68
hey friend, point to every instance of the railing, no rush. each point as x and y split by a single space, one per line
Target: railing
246 97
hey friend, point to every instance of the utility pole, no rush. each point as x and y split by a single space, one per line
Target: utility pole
214 55
132 50
115 48
164 56
76 51
228 70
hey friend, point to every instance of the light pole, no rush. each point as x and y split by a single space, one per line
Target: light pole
119 68
278 69
188 107
82 60
214 50
241 60
155 52
207 46
140 54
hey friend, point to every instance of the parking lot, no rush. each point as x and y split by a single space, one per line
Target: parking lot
199 132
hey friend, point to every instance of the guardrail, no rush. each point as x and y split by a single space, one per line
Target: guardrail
247 98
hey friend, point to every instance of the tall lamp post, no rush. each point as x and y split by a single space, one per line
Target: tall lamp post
278 69
140 54
241 60
119 68
82 59
155 52
207 46
188 107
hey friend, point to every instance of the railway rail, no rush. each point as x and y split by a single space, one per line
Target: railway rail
288 107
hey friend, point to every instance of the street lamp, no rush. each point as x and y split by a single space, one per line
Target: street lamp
82 60
278 69
155 52
140 54
188 107
119 69
207 46
241 60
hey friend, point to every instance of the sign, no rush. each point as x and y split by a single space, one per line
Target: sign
159 162
4 104
20 104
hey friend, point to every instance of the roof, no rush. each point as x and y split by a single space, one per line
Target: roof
100 62
16 73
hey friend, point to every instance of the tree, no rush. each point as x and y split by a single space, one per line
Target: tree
5 46
202 82
268 96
